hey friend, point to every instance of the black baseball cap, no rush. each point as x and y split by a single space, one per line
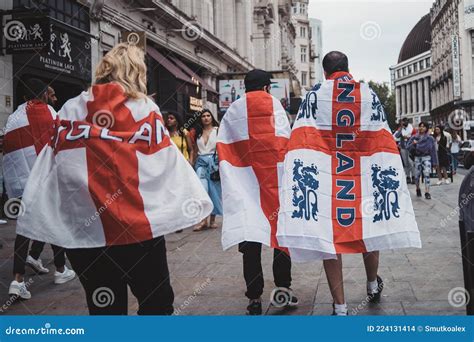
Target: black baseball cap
256 79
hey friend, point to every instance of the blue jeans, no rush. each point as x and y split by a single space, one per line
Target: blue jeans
454 161
205 165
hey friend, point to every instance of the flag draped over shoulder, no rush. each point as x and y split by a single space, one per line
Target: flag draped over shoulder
28 130
111 176
251 146
343 188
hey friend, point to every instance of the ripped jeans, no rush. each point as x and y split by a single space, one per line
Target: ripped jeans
423 165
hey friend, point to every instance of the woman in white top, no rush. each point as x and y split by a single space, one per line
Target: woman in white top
455 149
207 165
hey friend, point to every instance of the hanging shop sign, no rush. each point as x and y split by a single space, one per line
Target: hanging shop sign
67 52
26 34
195 104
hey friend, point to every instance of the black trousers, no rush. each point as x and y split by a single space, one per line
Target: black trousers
253 274
105 273
22 245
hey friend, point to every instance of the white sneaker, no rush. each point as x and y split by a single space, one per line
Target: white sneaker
439 182
36 265
3 221
447 181
67 275
19 290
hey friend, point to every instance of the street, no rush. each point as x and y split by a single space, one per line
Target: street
209 281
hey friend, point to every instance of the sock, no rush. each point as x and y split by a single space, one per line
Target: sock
340 309
372 286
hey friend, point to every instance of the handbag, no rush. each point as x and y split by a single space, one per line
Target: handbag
215 176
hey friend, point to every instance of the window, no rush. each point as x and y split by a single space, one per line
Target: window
303 54
415 67
399 74
420 63
302 8
428 63
303 31
295 9
304 76
68 11
472 43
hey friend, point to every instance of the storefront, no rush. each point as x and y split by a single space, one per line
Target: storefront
52 44
175 85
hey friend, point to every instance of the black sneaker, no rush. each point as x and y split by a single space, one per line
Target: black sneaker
293 301
375 297
255 307
427 196
418 193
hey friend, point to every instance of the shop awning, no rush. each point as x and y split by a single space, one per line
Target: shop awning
191 73
165 62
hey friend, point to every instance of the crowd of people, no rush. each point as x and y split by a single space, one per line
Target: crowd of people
131 251
426 149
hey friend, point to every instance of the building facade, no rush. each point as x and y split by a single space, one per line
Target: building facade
304 49
190 45
411 76
317 49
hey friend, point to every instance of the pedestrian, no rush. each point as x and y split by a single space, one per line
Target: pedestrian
37 116
455 149
120 186
443 154
207 165
179 135
343 188
404 133
52 98
252 142
423 147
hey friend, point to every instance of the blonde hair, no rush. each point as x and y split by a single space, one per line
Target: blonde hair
124 64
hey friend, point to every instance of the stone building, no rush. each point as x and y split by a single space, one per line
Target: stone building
411 75
190 45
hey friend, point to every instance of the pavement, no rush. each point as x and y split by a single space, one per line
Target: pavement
209 281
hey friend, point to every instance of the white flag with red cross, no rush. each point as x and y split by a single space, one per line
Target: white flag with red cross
27 131
343 188
110 177
251 147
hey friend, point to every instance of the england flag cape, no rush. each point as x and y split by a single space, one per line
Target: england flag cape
111 176
251 147
27 131
343 188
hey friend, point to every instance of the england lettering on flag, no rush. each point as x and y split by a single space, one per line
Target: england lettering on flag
27 131
112 157
343 188
251 147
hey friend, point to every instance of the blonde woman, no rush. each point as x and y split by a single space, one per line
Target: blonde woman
119 189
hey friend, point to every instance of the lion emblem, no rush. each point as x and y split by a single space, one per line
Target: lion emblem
385 195
305 199
378 113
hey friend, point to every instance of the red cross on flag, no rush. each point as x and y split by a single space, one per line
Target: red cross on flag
28 130
251 146
111 176
343 188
